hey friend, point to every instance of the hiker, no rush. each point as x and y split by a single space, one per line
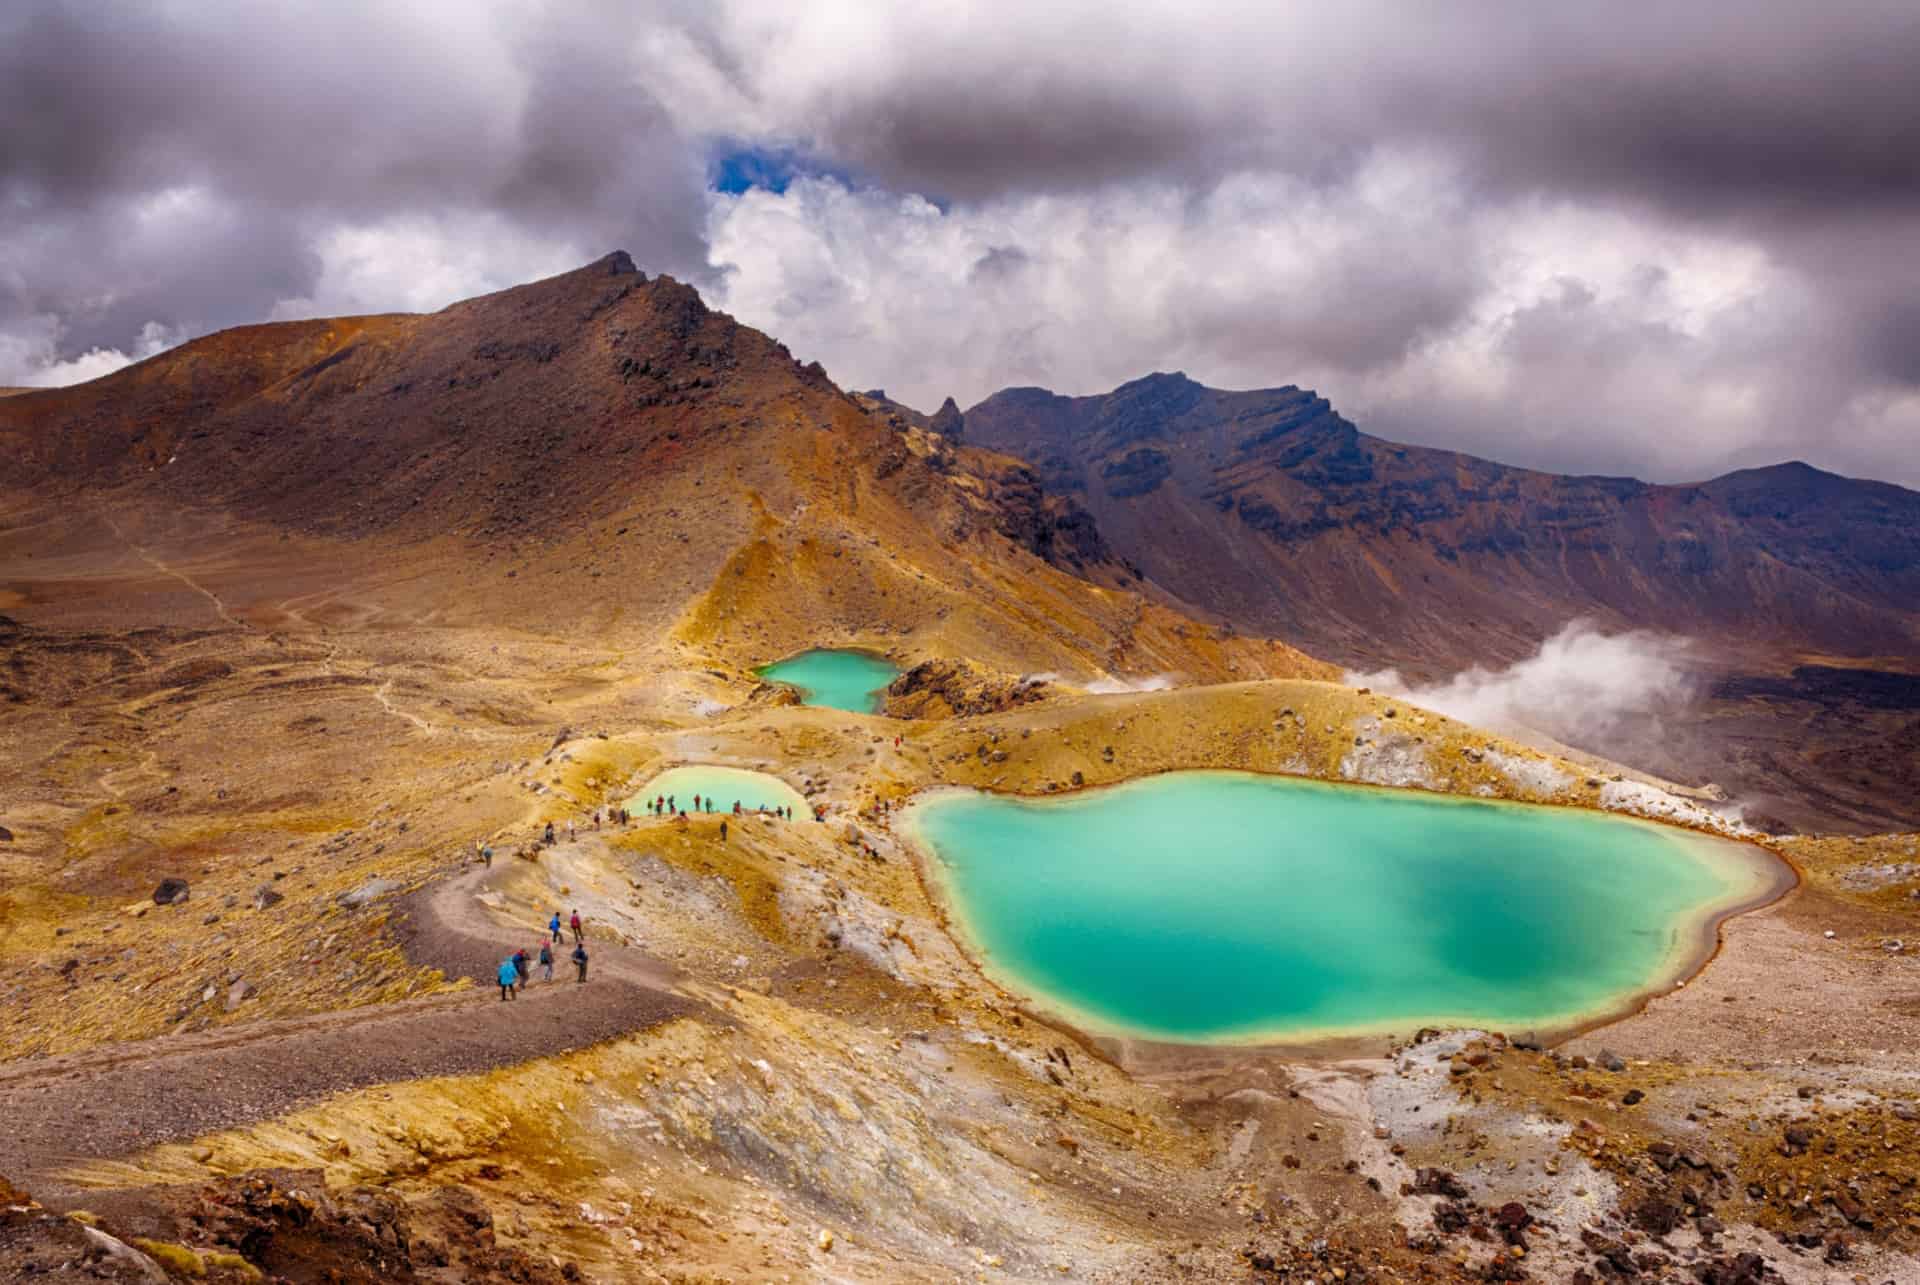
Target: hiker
521 965
553 926
736 807
723 830
546 958
486 855
696 803
580 962
574 923
569 829
596 818
549 832
509 977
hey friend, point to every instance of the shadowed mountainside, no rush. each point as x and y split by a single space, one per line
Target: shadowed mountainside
1269 509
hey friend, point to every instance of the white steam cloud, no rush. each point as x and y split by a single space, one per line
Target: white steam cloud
1116 686
1580 687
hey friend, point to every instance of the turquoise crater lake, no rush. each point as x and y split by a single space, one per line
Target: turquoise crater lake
1219 907
849 680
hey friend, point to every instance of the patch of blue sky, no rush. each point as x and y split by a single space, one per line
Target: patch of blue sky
738 166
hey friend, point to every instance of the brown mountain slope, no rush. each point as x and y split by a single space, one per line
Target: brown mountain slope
1270 509
599 447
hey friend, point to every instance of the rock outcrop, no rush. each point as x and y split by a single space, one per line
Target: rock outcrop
958 688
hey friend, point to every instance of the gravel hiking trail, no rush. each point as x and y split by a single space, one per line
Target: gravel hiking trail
118 1099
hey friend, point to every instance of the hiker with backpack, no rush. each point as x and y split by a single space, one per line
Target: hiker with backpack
509 978
573 923
580 961
546 958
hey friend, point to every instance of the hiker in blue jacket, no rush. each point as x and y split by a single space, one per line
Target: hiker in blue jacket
509 978
553 927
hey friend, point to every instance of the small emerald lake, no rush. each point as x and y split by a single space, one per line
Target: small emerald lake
719 788
849 680
1230 907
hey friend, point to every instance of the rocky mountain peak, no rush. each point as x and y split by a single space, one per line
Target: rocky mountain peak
948 421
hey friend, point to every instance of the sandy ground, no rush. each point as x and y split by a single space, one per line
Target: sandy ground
121 1098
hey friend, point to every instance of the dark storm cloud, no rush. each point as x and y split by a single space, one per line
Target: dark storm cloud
1753 110
1743 106
183 164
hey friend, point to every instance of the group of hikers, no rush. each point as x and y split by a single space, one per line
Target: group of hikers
665 805
516 970
614 816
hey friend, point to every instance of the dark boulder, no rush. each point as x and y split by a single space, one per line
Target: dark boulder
1438 1182
1512 1220
171 892
1656 1216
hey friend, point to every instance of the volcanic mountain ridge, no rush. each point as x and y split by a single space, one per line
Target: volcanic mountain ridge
1270 509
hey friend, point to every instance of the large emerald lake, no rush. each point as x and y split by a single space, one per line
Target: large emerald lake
850 680
1230 907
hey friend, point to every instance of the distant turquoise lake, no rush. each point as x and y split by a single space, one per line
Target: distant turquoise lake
849 680
1217 907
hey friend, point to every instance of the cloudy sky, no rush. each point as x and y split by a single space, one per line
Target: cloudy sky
1659 239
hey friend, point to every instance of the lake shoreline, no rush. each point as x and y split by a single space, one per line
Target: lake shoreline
1698 941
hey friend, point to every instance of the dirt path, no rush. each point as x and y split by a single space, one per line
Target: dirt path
219 607
116 1100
